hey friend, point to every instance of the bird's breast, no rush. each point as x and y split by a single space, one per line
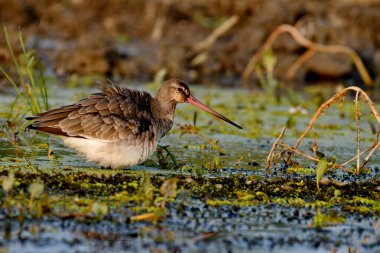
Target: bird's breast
113 153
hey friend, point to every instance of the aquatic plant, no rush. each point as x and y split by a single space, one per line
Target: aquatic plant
10 132
166 158
287 152
193 129
265 73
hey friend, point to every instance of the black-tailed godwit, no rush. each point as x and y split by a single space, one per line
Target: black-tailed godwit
118 126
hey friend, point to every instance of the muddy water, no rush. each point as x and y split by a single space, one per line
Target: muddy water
191 224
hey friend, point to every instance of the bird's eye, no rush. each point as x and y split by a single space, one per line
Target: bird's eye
179 89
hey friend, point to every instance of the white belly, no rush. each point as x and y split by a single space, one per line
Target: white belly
112 154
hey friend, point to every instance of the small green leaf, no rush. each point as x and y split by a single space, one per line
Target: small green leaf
320 170
195 117
319 154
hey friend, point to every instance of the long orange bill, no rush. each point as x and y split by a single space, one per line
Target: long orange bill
196 102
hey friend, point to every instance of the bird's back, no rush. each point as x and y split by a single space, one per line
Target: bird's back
114 114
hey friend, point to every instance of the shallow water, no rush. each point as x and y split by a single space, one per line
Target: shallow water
199 229
190 224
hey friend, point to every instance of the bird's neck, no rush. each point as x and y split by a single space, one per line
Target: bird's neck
162 108
163 112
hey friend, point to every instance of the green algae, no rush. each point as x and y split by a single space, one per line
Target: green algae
91 195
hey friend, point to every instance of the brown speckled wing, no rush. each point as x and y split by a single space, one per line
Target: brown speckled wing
115 114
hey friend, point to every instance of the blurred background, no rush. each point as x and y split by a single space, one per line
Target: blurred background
199 41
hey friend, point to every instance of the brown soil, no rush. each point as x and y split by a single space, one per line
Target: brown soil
133 40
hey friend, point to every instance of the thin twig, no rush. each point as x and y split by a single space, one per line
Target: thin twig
355 157
271 152
299 152
374 146
357 118
370 153
312 158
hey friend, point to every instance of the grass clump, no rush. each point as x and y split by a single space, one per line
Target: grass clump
28 80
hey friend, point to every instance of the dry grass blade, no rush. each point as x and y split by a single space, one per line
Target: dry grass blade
204 236
298 37
145 216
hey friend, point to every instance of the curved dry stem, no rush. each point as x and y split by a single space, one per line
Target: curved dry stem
298 37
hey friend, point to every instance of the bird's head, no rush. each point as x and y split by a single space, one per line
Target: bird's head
176 91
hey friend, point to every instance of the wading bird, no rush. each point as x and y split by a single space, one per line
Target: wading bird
118 126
